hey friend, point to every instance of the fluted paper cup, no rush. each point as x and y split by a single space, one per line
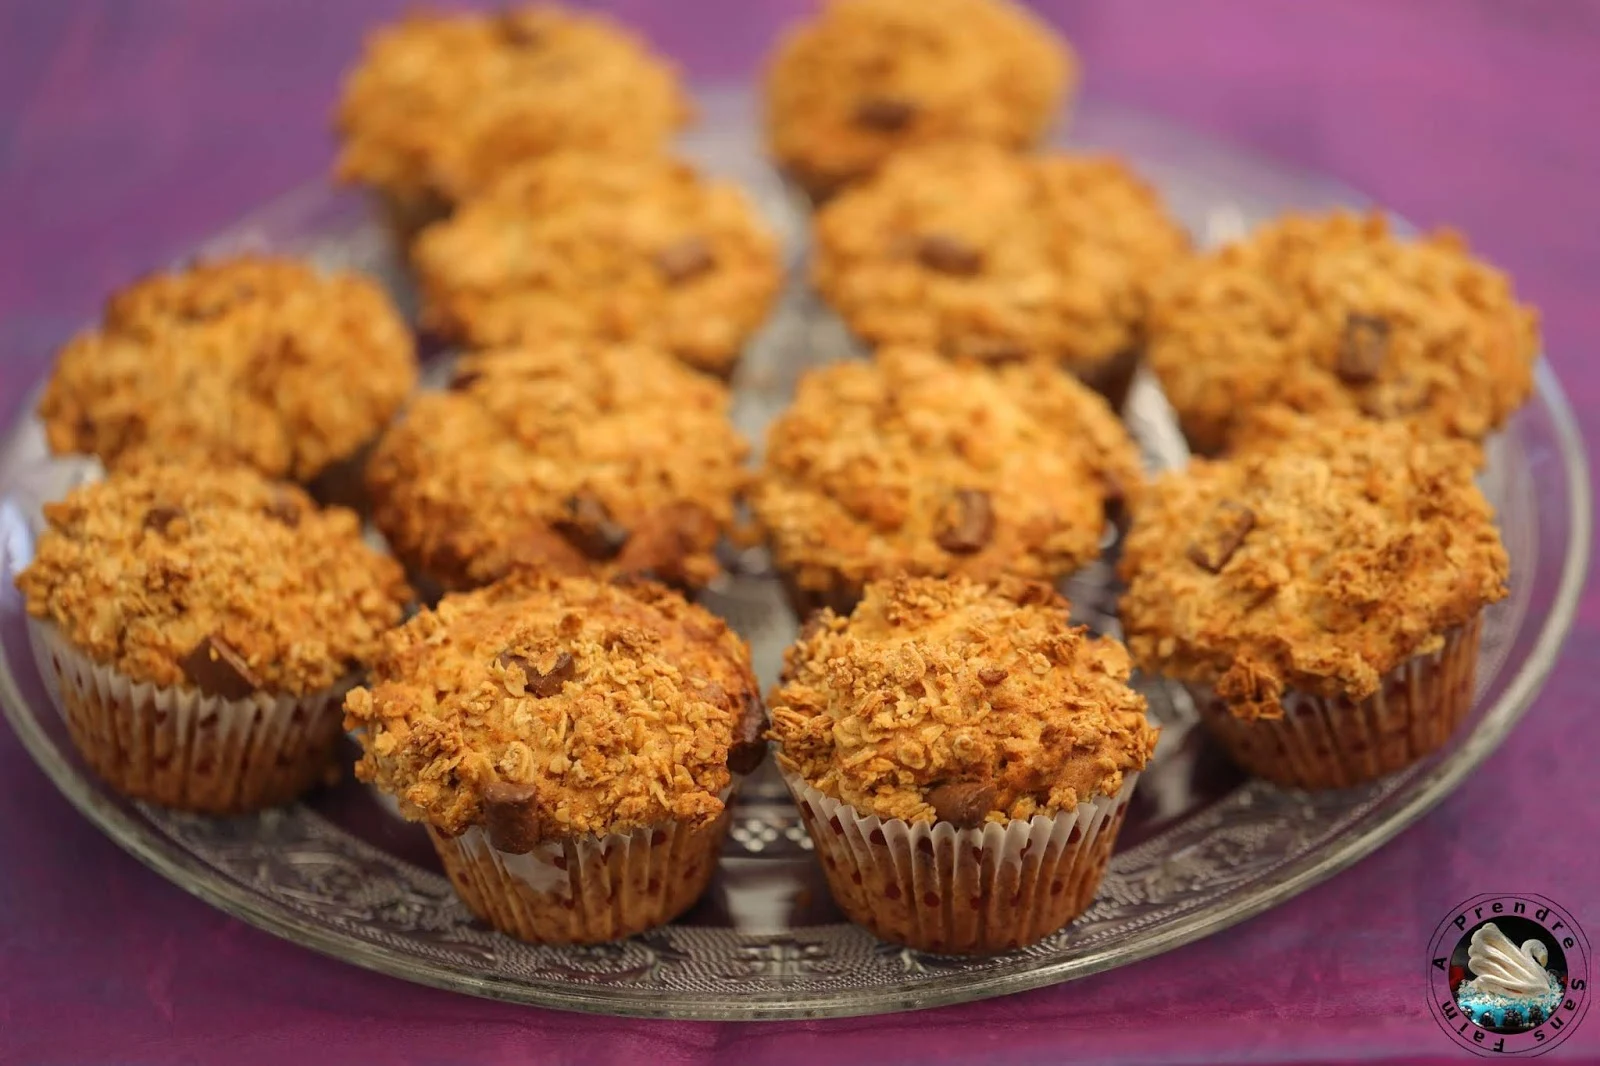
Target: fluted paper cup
1334 742
180 748
937 888
587 889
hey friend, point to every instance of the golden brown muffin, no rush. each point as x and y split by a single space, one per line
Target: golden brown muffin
912 464
978 253
962 757
441 104
140 570
932 682
198 626
579 458
255 360
577 247
1322 598
569 744
615 705
865 79
1333 312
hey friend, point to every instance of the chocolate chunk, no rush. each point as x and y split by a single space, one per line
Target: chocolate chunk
542 684
591 529
993 675
284 509
685 259
949 255
159 517
886 114
518 31
463 380
969 522
749 747
964 804
216 668
1229 524
1362 348
511 817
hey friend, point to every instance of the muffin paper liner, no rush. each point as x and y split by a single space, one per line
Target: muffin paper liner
181 748
588 889
1334 742
937 888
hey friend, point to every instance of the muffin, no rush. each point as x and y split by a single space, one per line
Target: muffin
570 746
198 627
978 253
441 104
865 79
962 758
577 458
913 464
1334 313
572 246
1322 599
253 360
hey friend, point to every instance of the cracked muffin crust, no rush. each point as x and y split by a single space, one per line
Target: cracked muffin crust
441 104
255 360
1335 313
580 458
197 576
575 246
865 79
543 708
979 253
910 463
1321 565
954 701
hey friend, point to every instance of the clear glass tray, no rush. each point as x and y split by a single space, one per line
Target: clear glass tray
1203 847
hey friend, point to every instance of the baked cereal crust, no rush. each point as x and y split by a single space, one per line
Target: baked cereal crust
256 360
1335 313
472 481
139 569
976 252
1365 544
931 681
610 707
863 470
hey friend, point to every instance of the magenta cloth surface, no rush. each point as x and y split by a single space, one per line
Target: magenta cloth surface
130 128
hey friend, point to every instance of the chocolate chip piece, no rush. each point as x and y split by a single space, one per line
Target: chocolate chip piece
463 380
517 31
159 517
685 259
968 522
949 255
749 747
993 675
590 528
511 817
1362 348
216 668
542 684
285 510
1229 524
964 804
886 114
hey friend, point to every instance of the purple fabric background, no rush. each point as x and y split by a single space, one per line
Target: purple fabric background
129 128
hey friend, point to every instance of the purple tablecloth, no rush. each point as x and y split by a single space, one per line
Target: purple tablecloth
129 129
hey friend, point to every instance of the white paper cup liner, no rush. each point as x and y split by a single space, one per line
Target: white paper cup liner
937 888
181 748
588 889
1334 742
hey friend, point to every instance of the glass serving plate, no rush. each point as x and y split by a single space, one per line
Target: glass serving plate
1203 847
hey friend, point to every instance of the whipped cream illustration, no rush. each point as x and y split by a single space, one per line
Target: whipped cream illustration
1501 968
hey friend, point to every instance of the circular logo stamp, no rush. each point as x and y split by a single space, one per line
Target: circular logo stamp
1508 974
